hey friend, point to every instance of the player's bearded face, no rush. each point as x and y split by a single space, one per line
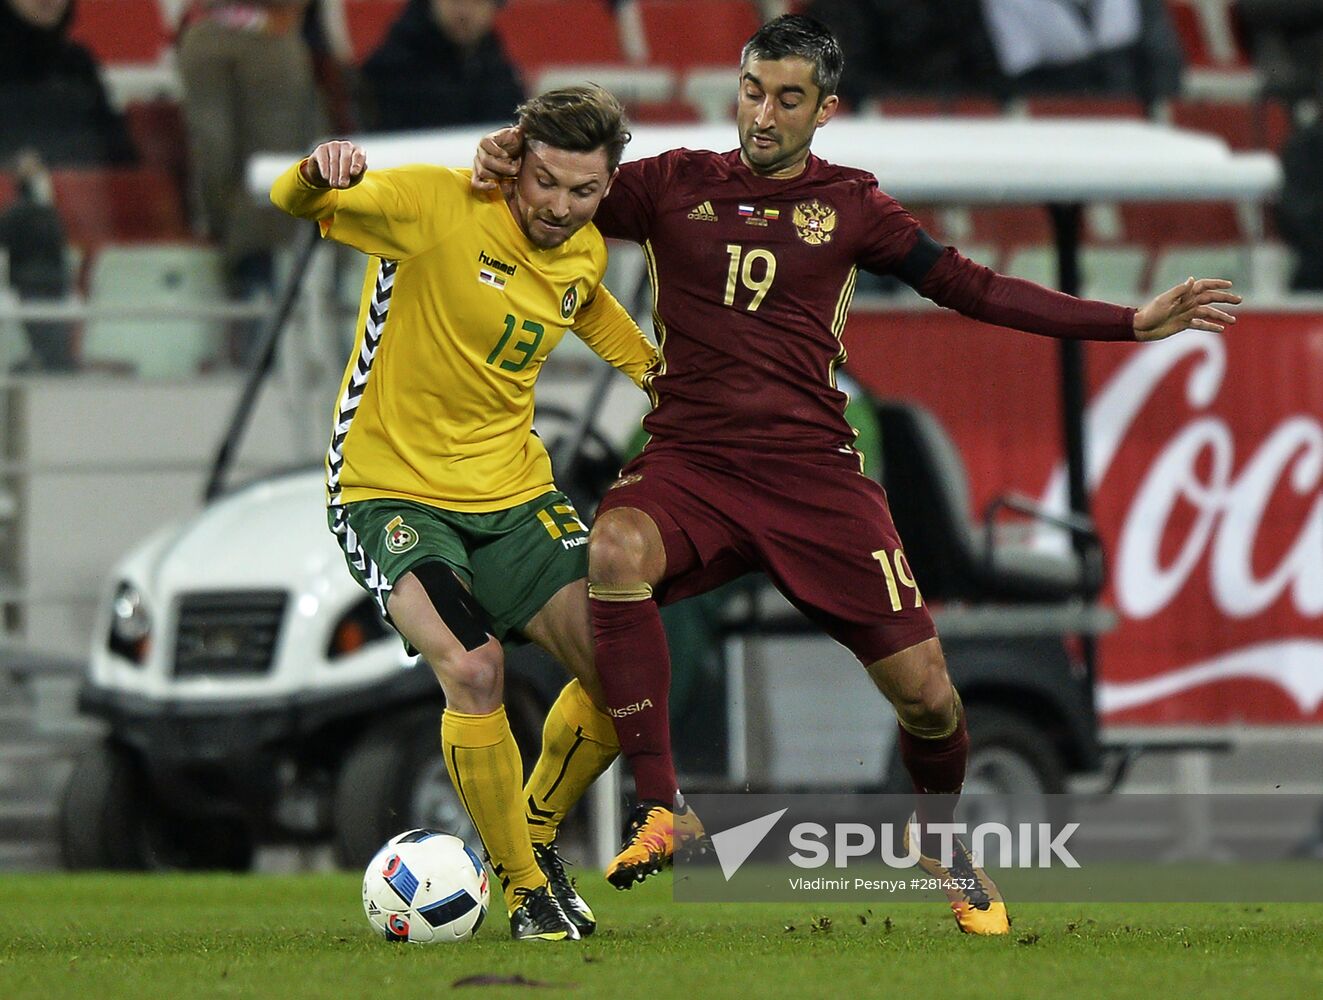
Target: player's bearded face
557 192
777 114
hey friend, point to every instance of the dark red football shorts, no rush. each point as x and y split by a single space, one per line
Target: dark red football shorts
819 528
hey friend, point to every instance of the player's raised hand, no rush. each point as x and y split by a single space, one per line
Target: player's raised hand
335 164
497 157
1189 306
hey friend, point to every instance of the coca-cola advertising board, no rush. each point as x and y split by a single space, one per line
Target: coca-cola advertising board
1205 464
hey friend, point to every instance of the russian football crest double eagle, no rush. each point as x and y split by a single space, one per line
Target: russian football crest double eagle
814 222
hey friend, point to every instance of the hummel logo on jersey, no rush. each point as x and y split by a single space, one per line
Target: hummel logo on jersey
703 213
497 265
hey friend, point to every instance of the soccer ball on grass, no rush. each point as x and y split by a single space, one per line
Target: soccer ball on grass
425 887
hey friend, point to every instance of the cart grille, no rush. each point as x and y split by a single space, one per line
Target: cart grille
228 633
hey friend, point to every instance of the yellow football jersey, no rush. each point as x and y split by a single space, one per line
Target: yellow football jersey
459 311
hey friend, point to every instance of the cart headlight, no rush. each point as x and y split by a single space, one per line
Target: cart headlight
130 624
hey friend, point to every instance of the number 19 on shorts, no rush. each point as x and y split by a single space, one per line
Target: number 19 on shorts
896 569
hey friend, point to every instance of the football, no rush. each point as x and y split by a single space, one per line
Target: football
424 887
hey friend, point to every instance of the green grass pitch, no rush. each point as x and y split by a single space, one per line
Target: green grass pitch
98 937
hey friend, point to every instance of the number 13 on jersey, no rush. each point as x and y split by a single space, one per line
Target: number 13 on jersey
741 270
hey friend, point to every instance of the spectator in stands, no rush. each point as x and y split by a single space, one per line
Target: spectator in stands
1114 47
327 35
1286 40
1300 207
248 88
899 47
441 64
51 95
33 238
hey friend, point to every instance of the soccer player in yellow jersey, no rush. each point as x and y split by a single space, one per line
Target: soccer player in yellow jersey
439 489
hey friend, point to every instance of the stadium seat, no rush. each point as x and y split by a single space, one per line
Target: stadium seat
1074 106
1207 33
1115 274
632 85
1263 124
948 551
122 31
157 128
542 33
627 276
671 112
1176 263
1008 226
982 253
1272 265
1157 223
936 107
161 276
712 92
684 34
101 206
367 22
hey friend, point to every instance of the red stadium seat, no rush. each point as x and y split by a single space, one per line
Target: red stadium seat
541 33
157 128
937 107
1255 125
1207 33
675 112
367 22
687 33
1009 226
1072 106
1191 33
1154 224
104 206
121 31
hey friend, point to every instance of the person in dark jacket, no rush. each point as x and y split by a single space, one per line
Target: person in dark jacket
51 91
441 64
33 238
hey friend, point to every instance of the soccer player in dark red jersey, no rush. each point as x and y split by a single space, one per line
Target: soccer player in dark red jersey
753 256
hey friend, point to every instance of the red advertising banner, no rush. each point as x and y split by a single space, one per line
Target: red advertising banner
1206 469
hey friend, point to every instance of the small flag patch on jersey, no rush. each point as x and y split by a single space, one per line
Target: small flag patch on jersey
772 214
489 277
746 210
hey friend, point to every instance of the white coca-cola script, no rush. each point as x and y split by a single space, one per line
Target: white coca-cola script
1198 469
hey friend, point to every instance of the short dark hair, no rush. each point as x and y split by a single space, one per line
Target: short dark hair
803 36
581 119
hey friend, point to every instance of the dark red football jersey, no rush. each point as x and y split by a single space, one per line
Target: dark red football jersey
753 279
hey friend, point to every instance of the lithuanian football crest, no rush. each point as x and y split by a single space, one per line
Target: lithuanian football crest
568 301
399 536
814 222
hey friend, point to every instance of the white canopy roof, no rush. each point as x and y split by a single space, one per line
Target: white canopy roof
921 160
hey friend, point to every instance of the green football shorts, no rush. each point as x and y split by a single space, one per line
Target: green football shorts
513 561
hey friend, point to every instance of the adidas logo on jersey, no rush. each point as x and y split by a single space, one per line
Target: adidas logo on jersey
703 213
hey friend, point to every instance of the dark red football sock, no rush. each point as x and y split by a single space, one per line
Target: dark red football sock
937 770
635 666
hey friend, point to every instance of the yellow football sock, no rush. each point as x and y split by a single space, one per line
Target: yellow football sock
578 744
483 760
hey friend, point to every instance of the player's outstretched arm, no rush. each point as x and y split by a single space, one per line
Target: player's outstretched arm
309 189
336 164
1192 305
497 158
